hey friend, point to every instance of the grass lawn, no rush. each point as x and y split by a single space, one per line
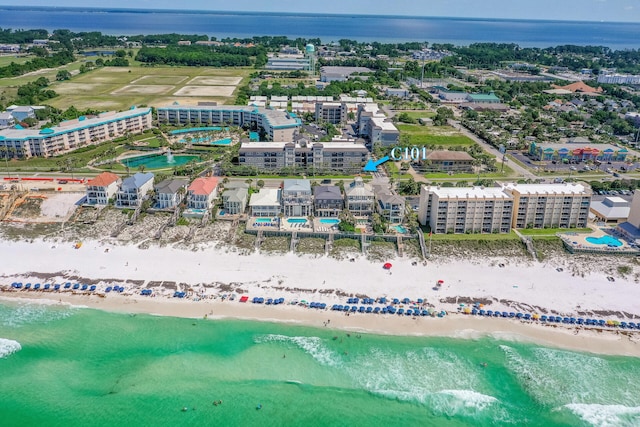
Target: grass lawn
55 163
416 114
8 59
434 135
456 237
552 231
489 175
118 88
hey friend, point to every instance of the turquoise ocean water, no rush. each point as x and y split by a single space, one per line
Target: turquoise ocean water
79 367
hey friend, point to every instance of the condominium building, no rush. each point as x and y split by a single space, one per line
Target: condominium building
296 197
277 125
331 112
373 124
344 156
549 205
613 78
465 209
73 134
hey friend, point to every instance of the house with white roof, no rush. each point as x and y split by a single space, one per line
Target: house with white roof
266 202
611 209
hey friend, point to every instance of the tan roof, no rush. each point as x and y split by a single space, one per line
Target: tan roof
579 87
203 186
449 155
103 180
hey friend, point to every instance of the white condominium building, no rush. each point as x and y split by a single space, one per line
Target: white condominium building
277 125
73 134
465 209
549 205
498 209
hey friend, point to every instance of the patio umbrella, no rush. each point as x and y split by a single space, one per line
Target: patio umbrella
387 266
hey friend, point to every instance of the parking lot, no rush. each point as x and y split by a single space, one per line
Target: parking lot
560 167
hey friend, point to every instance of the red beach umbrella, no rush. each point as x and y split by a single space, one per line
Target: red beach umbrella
387 266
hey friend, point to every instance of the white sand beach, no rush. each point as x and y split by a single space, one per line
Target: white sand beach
211 272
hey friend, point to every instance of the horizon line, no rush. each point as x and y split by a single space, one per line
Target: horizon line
353 15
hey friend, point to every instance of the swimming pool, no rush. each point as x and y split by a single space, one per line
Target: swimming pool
263 220
331 221
297 221
400 229
604 240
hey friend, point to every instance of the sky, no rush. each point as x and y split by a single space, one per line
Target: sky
578 10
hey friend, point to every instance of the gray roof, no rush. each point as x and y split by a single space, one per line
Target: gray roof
5 116
611 211
235 194
296 185
137 180
236 184
327 192
171 186
388 198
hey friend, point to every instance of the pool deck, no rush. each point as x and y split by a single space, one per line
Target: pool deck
578 241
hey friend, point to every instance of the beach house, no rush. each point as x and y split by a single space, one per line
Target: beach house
296 197
102 188
202 192
359 198
134 190
266 202
327 201
170 192
234 199
391 207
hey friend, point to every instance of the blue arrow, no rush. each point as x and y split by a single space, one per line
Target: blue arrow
372 166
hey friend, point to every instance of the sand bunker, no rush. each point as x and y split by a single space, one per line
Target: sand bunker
205 91
143 89
216 81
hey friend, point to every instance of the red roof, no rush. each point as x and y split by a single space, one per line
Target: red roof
204 186
580 87
103 180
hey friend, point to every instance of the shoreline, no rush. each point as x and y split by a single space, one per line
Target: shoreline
454 326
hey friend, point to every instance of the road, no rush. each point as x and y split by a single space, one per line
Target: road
519 170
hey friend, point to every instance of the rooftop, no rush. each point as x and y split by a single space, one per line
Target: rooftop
296 185
552 189
266 197
276 118
327 192
203 186
137 180
468 192
609 212
103 180
171 186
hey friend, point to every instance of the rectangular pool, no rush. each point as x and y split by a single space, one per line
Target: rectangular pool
262 220
297 221
330 221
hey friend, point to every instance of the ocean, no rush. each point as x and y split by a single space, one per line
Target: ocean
62 366
459 31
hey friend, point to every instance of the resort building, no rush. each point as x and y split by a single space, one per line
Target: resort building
611 209
170 193
327 201
549 205
613 78
340 74
134 190
448 161
6 120
631 228
22 112
265 203
331 112
234 200
359 198
391 207
202 192
296 197
288 62
465 209
576 152
373 124
343 156
73 134
102 188
276 125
